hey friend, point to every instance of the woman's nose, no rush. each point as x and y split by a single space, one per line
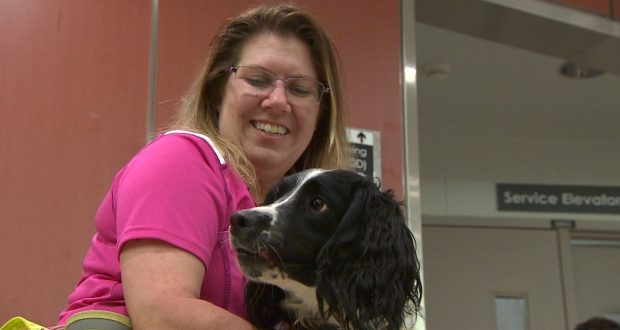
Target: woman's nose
277 99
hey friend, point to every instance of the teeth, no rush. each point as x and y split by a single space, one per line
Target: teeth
272 129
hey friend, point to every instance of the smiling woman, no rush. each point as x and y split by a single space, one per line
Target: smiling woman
245 107
284 51
100 94
259 110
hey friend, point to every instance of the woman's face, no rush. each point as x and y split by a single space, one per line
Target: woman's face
273 127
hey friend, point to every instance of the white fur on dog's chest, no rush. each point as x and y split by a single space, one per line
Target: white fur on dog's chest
300 297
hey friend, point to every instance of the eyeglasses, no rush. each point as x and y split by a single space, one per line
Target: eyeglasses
299 89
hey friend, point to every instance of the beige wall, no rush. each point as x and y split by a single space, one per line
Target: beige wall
466 268
73 98
596 273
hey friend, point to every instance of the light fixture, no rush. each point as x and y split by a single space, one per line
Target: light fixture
576 71
437 71
410 74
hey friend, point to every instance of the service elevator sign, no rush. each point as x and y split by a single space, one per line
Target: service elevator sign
366 146
558 198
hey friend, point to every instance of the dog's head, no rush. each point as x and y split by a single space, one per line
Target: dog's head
336 247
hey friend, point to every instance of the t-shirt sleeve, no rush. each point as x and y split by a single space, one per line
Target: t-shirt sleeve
172 191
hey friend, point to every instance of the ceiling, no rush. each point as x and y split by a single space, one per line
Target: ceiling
493 106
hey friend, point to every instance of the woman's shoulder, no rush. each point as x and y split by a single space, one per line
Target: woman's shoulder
198 140
180 144
174 153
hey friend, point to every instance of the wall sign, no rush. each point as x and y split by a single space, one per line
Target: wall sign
558 198
366 146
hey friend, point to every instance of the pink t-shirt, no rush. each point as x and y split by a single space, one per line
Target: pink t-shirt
179 190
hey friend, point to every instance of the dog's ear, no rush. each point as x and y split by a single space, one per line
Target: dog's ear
263 305
369 274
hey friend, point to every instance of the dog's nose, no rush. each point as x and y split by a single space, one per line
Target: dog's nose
249 223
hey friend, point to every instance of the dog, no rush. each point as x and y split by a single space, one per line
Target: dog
327 250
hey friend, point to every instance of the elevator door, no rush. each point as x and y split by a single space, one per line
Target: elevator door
596 264
490 278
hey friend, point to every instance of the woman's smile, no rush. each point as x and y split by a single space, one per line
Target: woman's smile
270 128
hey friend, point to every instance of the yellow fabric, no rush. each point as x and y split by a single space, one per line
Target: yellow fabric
20 323
95 314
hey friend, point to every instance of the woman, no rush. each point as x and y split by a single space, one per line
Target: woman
267 103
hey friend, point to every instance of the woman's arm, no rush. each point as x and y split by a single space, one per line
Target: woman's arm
162 284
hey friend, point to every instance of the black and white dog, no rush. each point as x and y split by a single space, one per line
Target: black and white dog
327 250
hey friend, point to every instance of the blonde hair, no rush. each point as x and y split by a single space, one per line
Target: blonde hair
328 148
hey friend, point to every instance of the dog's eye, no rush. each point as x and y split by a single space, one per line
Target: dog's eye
318 204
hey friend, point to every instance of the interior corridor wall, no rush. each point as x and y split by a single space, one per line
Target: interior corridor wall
73 110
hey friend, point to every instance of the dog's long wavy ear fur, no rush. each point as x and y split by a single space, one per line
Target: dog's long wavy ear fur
369 273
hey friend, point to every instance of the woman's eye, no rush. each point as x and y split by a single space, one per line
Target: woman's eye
299 88
260 82
318 204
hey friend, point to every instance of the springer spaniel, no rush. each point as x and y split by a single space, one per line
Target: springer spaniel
327 250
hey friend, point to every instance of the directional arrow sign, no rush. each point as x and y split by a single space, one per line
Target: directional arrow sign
366 151
361 136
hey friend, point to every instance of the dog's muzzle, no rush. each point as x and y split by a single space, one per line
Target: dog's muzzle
246 226
250 239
